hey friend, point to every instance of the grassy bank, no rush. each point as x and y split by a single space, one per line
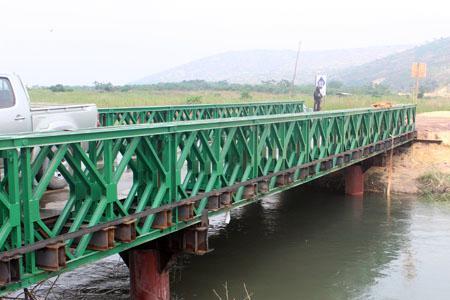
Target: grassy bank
435 185
163 97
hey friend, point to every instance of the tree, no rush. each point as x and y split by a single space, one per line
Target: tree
59 88
334 84
194 99
245 95
105 87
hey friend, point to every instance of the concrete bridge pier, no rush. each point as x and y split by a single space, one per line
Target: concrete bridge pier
149 277
150 263
354 180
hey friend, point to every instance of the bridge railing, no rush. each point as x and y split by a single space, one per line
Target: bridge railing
158 114
132 184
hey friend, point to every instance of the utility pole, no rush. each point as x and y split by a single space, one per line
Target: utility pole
416 90
295 69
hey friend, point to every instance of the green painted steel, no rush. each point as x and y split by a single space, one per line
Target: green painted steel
157 114
166 164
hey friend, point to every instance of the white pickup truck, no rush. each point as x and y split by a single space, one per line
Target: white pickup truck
17 115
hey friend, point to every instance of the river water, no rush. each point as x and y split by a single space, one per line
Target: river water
304 245
322 246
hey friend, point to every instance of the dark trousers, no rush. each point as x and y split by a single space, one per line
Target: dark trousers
317 104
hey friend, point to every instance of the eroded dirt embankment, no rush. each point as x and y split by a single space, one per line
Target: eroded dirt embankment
420 159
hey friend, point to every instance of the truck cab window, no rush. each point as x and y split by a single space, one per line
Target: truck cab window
6 94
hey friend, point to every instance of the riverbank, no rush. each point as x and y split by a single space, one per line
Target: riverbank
420 161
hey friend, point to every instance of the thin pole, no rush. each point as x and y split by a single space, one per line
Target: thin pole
416 92
390 166
295 68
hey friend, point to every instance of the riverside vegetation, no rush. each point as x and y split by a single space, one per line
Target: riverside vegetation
435 185
198 92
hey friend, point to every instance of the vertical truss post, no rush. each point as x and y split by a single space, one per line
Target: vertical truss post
30 208
79 190
217 165
170 163
306 124
255 153
111 187
12 173
340 138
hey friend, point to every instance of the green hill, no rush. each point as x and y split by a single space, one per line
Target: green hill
395 70
254 66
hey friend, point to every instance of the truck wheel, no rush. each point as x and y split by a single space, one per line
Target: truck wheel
57 182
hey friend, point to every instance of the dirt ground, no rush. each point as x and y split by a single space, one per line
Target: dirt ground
419 159
434 125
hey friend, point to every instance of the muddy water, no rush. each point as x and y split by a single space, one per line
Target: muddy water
301 245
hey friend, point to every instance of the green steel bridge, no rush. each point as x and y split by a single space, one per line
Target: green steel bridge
163 171
158 114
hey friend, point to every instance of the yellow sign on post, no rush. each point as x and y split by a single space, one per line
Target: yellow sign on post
419 70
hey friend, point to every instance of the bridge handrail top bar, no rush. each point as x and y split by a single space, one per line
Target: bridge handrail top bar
129 131
195 106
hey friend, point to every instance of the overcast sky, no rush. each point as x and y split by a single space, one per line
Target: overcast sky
78 42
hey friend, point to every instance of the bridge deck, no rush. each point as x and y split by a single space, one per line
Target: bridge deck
133 176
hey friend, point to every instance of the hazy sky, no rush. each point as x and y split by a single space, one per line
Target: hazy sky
78 42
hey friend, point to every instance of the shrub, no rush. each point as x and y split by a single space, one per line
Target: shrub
334 84
245 95
104 87
435 185
194 99
125 88
59 88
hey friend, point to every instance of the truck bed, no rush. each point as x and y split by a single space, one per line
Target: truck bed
63 117
44 107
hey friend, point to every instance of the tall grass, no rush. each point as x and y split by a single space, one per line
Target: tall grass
435 186
157 97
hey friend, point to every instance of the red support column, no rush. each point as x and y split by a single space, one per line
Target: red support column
148 279
354 180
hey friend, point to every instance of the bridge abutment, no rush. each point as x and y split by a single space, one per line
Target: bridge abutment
354 180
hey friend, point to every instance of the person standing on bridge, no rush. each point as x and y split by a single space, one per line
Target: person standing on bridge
317 98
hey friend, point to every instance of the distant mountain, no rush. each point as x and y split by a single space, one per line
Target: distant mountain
395 70
254 66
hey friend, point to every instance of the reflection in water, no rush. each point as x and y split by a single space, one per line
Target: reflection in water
421 270
314 246
409 264
303 245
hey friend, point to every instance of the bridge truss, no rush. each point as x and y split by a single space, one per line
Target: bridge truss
176 171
